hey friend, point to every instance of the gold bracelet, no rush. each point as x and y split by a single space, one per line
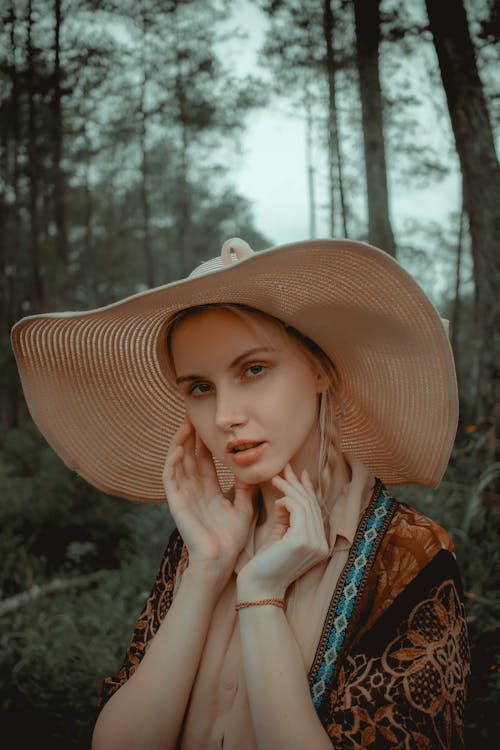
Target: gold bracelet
277 603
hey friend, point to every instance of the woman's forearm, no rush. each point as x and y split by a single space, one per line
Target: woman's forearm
283 714
146 713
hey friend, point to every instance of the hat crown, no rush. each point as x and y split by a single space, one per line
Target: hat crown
232 251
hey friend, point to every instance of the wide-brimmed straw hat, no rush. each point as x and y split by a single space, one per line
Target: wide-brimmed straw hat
97 388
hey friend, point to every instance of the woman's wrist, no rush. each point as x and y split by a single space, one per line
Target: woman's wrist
210 582
248 590
269 602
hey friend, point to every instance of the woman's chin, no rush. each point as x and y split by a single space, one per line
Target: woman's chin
257 472
257 475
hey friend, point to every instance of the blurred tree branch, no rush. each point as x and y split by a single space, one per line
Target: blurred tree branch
57 586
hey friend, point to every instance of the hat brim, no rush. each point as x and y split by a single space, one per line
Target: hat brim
96 386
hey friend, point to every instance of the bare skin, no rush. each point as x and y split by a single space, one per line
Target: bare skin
213 528
231 405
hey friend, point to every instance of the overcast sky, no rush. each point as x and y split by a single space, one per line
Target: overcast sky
271 171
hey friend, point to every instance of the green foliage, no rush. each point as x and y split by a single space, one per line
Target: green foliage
56 649
50 509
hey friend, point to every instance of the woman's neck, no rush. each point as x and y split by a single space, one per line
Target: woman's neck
340 474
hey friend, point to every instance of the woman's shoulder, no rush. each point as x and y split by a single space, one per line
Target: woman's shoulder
419 535
412 542
415 553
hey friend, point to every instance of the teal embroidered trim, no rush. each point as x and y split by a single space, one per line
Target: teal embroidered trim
377 521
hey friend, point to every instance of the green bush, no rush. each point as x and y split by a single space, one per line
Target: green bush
56 649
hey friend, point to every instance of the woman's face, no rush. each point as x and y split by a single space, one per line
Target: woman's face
250 393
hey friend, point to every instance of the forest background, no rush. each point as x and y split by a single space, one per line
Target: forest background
120 124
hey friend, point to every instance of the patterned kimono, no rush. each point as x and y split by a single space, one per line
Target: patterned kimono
391 666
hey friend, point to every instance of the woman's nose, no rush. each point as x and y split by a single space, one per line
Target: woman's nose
229 411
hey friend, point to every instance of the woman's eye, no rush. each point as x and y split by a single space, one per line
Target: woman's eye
253 370
199 389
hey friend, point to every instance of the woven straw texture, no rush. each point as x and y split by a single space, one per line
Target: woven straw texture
95 382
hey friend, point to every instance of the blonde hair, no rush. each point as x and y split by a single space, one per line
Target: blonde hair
330 412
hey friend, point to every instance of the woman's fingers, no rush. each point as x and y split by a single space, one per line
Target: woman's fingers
291 516
295 504
180 435
317 510
187 438
243 496
189 458
302 489
281 484
292 478
299 498
295 484
292 489
198 461
306 481
206 465
282 514
177 440
305 536
173 472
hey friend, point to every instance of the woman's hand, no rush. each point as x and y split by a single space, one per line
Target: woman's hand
297 542
213 528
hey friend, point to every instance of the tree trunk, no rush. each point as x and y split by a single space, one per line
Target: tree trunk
480 179
184 216
9 176
6 225
146 210
310 163
12 249
334 156
367 18
455 321
88 217
37 292
59 187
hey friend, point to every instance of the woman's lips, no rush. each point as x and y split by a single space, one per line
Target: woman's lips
248 455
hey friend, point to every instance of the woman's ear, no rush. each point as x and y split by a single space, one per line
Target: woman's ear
322 382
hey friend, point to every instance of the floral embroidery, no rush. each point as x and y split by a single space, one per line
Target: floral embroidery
412 696
409 545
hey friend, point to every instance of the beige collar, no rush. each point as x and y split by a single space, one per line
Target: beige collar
350 500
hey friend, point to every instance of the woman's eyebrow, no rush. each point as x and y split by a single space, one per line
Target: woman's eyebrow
249 352
234 363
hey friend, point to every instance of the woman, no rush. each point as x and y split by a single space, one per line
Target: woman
297 604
